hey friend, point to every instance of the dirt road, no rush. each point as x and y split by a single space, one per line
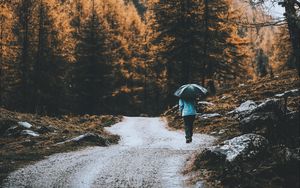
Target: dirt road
148 155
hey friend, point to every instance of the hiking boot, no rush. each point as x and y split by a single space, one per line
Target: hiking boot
188 140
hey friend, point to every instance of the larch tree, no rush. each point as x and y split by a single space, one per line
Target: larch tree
128 68
9 68
155 78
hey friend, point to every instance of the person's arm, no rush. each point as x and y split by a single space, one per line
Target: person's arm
180 105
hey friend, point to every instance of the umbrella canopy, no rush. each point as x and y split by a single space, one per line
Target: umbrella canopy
190 91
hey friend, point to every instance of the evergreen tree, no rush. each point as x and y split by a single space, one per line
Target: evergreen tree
292 10
155 78
46 70
282 56
91 69
200 40
178 30
26 32
223 48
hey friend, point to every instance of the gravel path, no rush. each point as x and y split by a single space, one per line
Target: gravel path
148 155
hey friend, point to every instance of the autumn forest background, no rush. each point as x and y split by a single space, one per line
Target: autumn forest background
129 56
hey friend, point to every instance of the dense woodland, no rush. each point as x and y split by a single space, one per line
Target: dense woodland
128 57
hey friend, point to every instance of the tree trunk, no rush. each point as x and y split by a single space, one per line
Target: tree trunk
24 19
294 29
205 55
145 88
39 61
1 60
185 59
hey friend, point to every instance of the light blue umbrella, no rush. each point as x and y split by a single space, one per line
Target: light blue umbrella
190 91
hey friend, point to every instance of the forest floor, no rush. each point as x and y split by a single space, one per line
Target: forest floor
148 155
18 149
226 126
227 100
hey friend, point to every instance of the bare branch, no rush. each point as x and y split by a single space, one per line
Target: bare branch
261 24
297 3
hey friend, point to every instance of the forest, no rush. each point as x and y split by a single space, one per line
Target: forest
128 57
87 87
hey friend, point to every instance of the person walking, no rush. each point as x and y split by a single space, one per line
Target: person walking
187 108
187 105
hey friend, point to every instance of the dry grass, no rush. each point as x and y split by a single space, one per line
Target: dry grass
17 151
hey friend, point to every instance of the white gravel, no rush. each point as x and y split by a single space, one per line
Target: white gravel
148 155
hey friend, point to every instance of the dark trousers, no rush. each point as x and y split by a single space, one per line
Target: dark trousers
188 125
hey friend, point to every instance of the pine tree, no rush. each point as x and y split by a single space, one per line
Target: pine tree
91 69
48 61
292 9
282 50
223 47
25 32
179 31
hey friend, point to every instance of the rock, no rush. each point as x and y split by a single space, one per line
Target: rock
284 155
291 154
20 128
46 129
291 125
241 148
29 133
13 131
206 116
293 118
205 103
222 131
224 97
270 120
270 105
258 121
28 142
211 157
244 107
66 131
6 124
290 93
201 184
88 137
24 124
286 131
